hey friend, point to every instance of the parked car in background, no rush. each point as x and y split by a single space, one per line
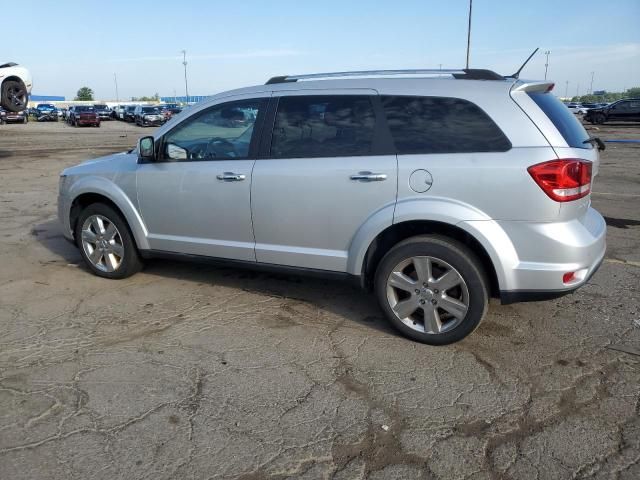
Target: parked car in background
574 107
83 115
13 117
434 193
48 116
169 110
45 108
103 111
118 112
129 113
15 86
627 110
148 116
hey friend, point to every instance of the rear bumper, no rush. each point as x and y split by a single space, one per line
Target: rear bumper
530 259
517 296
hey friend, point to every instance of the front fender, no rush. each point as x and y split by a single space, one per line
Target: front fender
103 186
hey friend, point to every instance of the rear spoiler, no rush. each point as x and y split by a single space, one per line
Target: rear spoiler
532 86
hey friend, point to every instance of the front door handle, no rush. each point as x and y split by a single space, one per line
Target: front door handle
369 177
231 177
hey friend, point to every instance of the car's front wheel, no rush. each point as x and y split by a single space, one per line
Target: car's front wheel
599 118
105 242
432 289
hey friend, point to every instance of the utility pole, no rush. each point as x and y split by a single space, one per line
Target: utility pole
546 64
469 32
578 89
186 85
115 79
566 89
440 65
591 86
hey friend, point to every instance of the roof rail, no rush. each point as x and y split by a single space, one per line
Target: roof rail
459 73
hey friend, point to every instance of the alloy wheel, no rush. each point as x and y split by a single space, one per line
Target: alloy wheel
427 294
102 243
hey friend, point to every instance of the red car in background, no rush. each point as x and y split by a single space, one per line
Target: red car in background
80 115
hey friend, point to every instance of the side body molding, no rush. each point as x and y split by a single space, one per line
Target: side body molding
105 187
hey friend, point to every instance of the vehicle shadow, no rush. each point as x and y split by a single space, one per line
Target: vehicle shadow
337 297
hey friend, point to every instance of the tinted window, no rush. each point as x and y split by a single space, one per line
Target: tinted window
441 125
221 132
323 126
567 124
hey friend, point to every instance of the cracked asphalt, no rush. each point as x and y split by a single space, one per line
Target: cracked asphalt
191 372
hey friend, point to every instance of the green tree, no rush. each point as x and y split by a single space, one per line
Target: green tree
85 93
154 98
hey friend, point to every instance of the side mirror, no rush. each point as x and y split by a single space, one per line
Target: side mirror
146 149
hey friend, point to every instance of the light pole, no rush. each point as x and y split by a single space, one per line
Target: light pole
115 80
566 89
186 85
546 63
469 32
591 86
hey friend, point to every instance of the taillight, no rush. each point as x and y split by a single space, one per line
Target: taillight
563 180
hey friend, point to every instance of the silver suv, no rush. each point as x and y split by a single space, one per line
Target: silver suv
436 190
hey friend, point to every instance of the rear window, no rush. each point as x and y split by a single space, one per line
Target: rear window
563 119
441 125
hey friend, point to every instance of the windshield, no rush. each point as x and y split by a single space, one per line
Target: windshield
567 124
84 109
101 107
150 110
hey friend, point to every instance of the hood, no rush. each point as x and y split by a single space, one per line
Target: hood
111 164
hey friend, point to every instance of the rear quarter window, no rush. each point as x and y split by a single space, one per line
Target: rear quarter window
562 118
441 125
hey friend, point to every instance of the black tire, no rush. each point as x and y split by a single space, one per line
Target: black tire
600 118
13 96
130 262
458 256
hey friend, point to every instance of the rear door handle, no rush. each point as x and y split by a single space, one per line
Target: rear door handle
231 177
369 177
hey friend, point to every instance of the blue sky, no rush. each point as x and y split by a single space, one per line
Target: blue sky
68 44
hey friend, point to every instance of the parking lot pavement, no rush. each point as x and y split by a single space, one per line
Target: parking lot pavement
190 372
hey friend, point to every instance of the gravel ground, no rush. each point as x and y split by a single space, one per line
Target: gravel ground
190 372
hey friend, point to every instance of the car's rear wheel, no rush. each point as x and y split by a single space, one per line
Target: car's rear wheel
599 118
14 96
105 242
432 289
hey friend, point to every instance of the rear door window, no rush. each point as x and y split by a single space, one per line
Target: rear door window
441 125
323 126
564 120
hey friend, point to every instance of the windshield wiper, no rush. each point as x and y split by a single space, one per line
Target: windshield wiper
596 142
